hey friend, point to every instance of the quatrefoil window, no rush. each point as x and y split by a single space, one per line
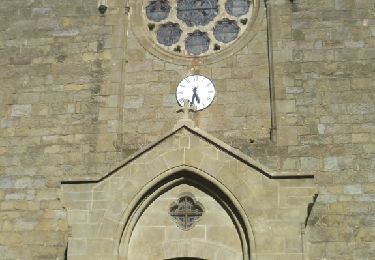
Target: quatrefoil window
186 211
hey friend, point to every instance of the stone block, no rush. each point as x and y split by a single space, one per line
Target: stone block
66 33
344 4
21 110
310 163
139 66
287 135
97 247
77 247
108 113
132 102
20 60
174 233
353 189
105 143
331 163
230 239
270 244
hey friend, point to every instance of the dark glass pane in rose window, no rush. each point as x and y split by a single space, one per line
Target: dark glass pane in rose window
197 43
168 34
237 7
157 10
197 12
226 31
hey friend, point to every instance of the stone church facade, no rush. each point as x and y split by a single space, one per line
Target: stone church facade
96 163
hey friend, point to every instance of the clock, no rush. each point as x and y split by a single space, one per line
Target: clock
199 90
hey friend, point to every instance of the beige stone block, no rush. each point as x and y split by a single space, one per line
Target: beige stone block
286 106
140 174
77 247
294 201
96 216
360 138
287 135
52 149
76 87
225 254
107 229
269 244
97 247
289 164
293 256
230 240
193 157
204 250
227 172
66 188
175 233
105 142
108 113
297 191
222 73
21 110
77 216
143 66
142 236
174 158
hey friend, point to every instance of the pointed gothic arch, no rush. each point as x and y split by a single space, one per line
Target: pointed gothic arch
199 179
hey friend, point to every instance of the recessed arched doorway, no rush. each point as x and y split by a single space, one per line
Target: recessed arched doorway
154 233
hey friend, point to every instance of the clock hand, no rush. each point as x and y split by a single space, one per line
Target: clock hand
195 96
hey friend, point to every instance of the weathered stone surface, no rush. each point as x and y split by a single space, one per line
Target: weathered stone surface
158 229
79 93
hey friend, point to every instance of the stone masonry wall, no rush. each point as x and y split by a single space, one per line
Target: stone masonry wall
58 79
324 53
63 71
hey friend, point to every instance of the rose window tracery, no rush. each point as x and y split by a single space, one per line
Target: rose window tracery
157 10
196 12
197 27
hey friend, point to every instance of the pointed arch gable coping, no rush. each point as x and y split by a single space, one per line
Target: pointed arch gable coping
187 133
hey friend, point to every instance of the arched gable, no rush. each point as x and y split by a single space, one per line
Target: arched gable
103 212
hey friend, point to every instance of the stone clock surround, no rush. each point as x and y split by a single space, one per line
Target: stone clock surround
266 208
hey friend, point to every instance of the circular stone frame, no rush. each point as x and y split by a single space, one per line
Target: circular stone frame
147 39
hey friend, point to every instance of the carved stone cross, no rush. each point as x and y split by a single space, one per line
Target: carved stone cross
186 109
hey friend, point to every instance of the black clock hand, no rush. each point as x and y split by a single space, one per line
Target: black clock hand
195 96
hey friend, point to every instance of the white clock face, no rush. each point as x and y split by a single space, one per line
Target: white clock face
199 90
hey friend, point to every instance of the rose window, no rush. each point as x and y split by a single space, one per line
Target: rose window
197 27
